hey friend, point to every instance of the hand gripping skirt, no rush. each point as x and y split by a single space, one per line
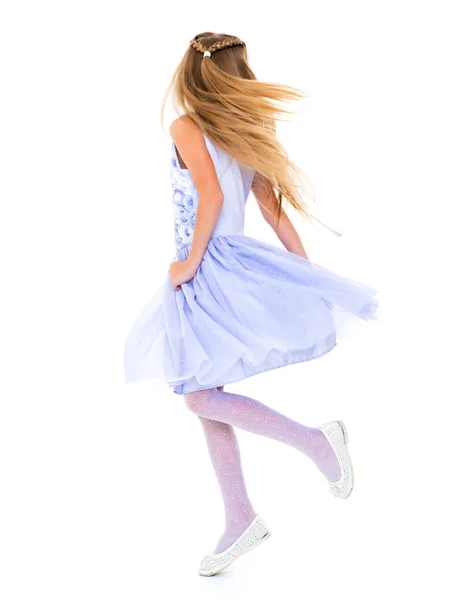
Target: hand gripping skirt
251 307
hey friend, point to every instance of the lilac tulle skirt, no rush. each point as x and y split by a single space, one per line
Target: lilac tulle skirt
250 308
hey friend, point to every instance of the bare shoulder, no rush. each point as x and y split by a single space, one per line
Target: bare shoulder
191 146
183 128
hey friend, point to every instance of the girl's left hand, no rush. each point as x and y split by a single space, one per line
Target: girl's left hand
180 272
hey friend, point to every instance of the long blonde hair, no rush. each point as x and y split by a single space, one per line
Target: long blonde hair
221 94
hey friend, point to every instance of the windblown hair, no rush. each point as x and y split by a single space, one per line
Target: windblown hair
222 96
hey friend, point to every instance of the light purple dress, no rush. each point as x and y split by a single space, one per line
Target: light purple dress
251 307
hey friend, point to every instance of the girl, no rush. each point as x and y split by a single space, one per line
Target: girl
233 306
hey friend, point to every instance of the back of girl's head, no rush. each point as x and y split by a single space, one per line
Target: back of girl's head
221 94
234 61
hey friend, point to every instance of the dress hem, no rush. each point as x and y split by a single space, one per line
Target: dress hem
262 370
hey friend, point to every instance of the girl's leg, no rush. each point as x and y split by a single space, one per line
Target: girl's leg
251 415
225 455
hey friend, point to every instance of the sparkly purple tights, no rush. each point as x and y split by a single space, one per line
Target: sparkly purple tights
218 412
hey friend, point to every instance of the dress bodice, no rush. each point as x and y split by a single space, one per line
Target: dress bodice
235 181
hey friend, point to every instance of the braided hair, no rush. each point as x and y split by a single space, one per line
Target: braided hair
218 45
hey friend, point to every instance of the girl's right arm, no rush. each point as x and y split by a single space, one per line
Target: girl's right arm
190 142
267 202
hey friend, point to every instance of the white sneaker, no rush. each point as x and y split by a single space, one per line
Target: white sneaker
336 434
255 533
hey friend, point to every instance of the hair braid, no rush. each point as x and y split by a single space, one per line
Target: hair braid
198 45
226 43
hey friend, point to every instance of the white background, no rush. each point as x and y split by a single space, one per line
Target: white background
106 489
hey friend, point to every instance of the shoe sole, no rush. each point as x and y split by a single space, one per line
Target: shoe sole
344 430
